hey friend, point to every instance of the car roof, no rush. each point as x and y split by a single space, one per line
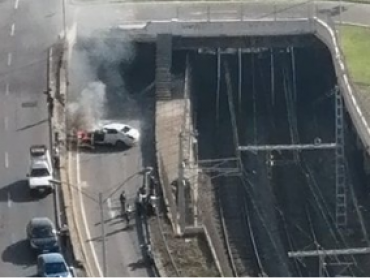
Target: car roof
39 164
117 126
41 221
52 257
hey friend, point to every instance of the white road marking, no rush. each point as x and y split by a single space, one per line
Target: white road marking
6 123
9 59
112 213
83 213
71 39
12 29
7 89
6 160
215 12
16 4
9 200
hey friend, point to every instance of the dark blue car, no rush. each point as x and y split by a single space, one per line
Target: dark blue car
42 235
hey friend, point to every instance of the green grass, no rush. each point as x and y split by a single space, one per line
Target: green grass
355 44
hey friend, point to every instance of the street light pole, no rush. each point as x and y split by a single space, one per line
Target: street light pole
101 202
103 234
64 18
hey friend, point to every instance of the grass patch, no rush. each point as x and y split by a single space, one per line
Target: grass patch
355 44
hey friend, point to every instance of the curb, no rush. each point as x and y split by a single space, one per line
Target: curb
75 236
75 240
191 2
352 24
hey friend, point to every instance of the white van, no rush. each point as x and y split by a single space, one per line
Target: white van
41 169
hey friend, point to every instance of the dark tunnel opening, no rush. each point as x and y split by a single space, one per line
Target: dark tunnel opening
290 195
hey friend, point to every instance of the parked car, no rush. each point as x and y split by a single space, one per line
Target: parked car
53 265
40 169
42 235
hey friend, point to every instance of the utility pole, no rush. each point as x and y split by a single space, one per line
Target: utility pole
103 234
180 188
64 18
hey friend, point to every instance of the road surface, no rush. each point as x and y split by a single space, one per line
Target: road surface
27 30
101 172
112 15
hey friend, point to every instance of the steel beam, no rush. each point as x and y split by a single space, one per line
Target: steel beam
335 252
220 160
220 169
288 147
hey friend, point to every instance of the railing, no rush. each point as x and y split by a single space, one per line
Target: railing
240 11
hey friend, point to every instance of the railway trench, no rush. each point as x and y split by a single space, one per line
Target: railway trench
280 96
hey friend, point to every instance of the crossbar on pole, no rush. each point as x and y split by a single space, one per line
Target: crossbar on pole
288 147
221 169
203 161
317 253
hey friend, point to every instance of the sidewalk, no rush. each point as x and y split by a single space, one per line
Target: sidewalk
58 92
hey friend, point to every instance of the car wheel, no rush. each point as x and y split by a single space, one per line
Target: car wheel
120 144
50 190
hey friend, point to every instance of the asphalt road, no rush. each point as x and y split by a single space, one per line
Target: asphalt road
27 29
101 172
109 171
113 15
105 173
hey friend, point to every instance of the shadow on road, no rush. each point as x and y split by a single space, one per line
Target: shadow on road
106 221
99 149
125 228
140 264
18 192
335 11
32 125
19 253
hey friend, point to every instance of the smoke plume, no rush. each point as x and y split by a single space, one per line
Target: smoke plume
96 84
89 109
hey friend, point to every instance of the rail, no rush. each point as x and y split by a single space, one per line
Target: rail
167 248
237 231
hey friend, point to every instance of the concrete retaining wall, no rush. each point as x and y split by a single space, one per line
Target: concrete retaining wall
265 27
328 35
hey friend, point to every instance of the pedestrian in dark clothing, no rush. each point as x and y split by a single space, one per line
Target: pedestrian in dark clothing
152 185
126 215
64 236
122 199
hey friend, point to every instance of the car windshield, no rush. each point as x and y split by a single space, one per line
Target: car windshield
55 268
126 129
42 232
39 172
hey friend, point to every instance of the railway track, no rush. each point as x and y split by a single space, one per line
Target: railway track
231 195
235 227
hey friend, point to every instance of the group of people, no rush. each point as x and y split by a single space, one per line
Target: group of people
144 203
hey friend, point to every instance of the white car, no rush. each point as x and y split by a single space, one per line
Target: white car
116 134
40 170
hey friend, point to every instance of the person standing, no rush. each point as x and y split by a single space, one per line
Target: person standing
122 199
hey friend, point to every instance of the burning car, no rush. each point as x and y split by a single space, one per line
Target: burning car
113 134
